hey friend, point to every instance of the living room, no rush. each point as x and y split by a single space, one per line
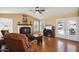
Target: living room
50 29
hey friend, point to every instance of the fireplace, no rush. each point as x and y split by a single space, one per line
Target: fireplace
25 29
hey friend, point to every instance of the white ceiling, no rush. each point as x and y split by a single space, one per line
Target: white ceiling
49 11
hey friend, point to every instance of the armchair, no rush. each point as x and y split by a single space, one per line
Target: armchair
19 43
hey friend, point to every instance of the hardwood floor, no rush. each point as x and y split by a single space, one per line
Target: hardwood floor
58 45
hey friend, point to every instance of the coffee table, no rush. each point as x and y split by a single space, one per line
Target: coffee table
37 37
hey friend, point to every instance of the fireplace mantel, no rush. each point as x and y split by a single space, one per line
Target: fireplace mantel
25 24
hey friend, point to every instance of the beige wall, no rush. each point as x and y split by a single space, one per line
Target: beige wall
52 20
17 18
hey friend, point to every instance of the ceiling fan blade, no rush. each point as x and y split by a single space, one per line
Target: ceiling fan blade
42 10
37 10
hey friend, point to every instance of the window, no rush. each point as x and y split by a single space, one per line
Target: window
36 25
41 26
6 23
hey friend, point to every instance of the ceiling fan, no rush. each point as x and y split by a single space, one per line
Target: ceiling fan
38 10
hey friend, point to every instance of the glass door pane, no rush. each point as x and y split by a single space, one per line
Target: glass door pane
61 27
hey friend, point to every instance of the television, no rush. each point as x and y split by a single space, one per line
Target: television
48 27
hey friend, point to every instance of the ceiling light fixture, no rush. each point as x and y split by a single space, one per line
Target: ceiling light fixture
38 10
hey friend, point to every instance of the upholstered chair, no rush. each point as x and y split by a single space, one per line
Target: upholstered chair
19 43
